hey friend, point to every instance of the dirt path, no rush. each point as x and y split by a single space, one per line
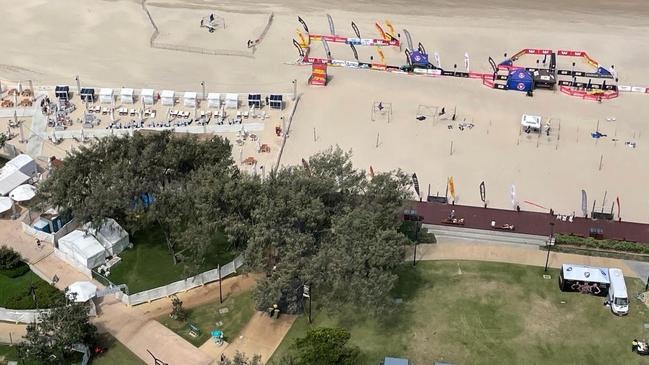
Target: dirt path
510 253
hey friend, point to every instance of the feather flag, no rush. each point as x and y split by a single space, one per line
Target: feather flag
483 192
513 196
584 203
415 182
618 207
381 32
466 61
451 187
381 55
390 27
371 171
437 60
306 167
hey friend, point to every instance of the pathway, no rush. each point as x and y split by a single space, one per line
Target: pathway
449 249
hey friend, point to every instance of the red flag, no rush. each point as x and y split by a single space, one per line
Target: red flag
371 171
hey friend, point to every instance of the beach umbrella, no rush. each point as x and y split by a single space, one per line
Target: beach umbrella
81 291
23 193
5 204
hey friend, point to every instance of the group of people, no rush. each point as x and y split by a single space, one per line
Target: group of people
127 125
586 288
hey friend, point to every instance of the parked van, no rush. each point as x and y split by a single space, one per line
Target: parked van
618 298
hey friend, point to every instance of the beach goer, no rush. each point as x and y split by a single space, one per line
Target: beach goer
634 345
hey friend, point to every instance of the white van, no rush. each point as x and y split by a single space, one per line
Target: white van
617 296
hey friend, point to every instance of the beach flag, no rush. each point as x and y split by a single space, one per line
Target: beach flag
306 29
584 203
306 167
466 61
371 171
381 55
618 207
381 32
483 192
513 196
439 63
451 187
415 182
390 27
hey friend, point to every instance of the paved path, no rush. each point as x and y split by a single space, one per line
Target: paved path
12 333
517 254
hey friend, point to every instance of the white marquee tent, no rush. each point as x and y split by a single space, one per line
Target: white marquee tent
106 96
11 178
147 96
126 96
189 99
111 235
232 101
213 100
167 97
25 164
83 248
81 291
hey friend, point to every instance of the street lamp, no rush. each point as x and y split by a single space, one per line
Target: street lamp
547 257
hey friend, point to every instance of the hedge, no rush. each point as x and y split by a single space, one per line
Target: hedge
15 272
613 245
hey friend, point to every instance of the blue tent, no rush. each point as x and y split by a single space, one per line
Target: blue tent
520 79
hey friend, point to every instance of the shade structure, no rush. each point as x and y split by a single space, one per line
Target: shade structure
189 99
5 204
213 100
25 164
232 101
83 248
105 95
147 96
111 235
81 291
254 100
62 92
23 193
532 121
126 96
10 178
168 97
276 101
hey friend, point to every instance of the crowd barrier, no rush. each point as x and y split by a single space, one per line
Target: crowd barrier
589 95
20 315
181 285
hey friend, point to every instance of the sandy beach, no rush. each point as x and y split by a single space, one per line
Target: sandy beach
106 43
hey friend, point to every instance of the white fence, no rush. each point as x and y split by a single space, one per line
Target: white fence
181 285
20 316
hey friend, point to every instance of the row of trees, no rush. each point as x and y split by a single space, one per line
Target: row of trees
323 224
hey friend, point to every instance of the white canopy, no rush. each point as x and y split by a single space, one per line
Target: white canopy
126 95
189 99
5 204
585 273
23 193
167 97
83 248
232 101
147 96
84 291
105 95
25 164
111 235
213 100
531 121
11 178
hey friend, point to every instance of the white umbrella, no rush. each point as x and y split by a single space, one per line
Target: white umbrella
84 291
5 204
23 193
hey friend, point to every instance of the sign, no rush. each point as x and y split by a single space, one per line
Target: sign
305 292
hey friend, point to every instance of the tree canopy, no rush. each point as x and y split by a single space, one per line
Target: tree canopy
322 346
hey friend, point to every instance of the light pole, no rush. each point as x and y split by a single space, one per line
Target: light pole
547 256
220 286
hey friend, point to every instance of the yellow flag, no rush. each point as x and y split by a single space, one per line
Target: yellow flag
381 55
451 187
390 27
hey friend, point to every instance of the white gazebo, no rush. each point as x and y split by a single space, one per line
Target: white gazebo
214 100
189 99
147 96
83 248
106 95
11 178
126 96
168 97
111 235
232 101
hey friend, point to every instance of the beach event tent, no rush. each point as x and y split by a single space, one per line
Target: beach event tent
10 178
25 164
62 92
276 101
147 96
520 79
126 96
168 97
84 249
532 121
213 100
111 235
232 101
254 100
88 95
189 99
105 95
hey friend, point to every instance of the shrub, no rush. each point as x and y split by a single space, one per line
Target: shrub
16 271
614 245
9 258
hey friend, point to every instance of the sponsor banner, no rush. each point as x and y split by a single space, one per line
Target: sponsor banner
427 71
638 89
624 88
538 51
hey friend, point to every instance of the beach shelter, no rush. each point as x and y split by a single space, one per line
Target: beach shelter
105 95
254 100
232 101
531 121
276 101
62 92
88 95
10 178
168 97
214 100
25 164
126 96
111 235
81 291
83 248
520 79
189 99
147 96
23 193
5 204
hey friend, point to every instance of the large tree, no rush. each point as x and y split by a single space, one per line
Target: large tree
322 346
51 341
329 226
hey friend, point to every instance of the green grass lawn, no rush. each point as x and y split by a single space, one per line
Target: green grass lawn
116 354
488 313
15 293
240 309
149 265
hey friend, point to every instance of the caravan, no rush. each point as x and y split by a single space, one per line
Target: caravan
618 298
